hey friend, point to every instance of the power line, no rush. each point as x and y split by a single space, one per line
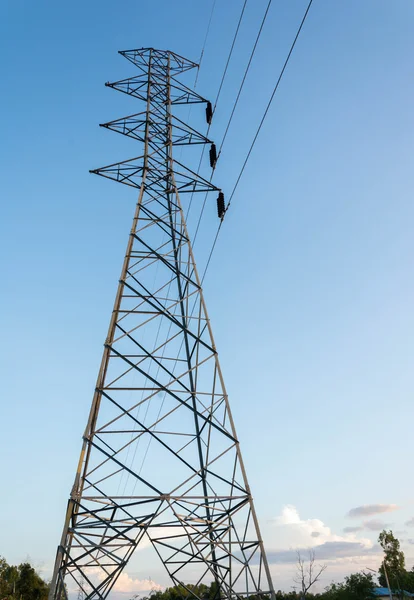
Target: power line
205 41
234 109
258 131
245 75
270 101
230 53
236 33
200 59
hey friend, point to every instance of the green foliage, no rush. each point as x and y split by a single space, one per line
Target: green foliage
204 592
292 595
358 586
181 592
394 562
408 581
21 583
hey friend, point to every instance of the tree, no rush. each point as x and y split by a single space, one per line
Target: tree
357 586
307 575
185 592
12 577
360 585
3 581
393 563
21 583
30 586
408 583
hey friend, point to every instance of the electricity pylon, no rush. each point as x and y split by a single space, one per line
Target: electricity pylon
160 463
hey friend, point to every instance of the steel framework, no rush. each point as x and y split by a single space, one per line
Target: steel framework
160 463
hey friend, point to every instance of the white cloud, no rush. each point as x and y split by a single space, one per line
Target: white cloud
289 516
124 584
127 584
290 531
343 554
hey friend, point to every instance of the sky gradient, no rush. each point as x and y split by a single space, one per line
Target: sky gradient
310 289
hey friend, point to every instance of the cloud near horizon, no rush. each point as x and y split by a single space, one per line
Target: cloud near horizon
291 533
126 584
326 551
367 510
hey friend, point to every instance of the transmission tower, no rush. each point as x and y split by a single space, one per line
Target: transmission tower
160 462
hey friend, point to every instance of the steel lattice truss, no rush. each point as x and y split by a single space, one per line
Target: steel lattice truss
160 463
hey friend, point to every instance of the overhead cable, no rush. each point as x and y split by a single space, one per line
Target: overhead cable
257 132
233 111
205 41
223 77
230 53
245 75
270 102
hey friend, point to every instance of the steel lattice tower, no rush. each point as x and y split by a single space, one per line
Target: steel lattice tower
160 462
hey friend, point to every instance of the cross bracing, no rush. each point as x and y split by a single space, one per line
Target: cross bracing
160 462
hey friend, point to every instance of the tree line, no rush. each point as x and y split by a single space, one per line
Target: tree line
22 582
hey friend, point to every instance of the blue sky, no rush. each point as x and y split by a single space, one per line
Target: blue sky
310 290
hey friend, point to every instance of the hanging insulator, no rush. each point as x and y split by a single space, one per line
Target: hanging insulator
209 112
221 208
213 156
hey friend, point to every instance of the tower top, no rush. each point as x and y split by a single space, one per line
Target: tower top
140 57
